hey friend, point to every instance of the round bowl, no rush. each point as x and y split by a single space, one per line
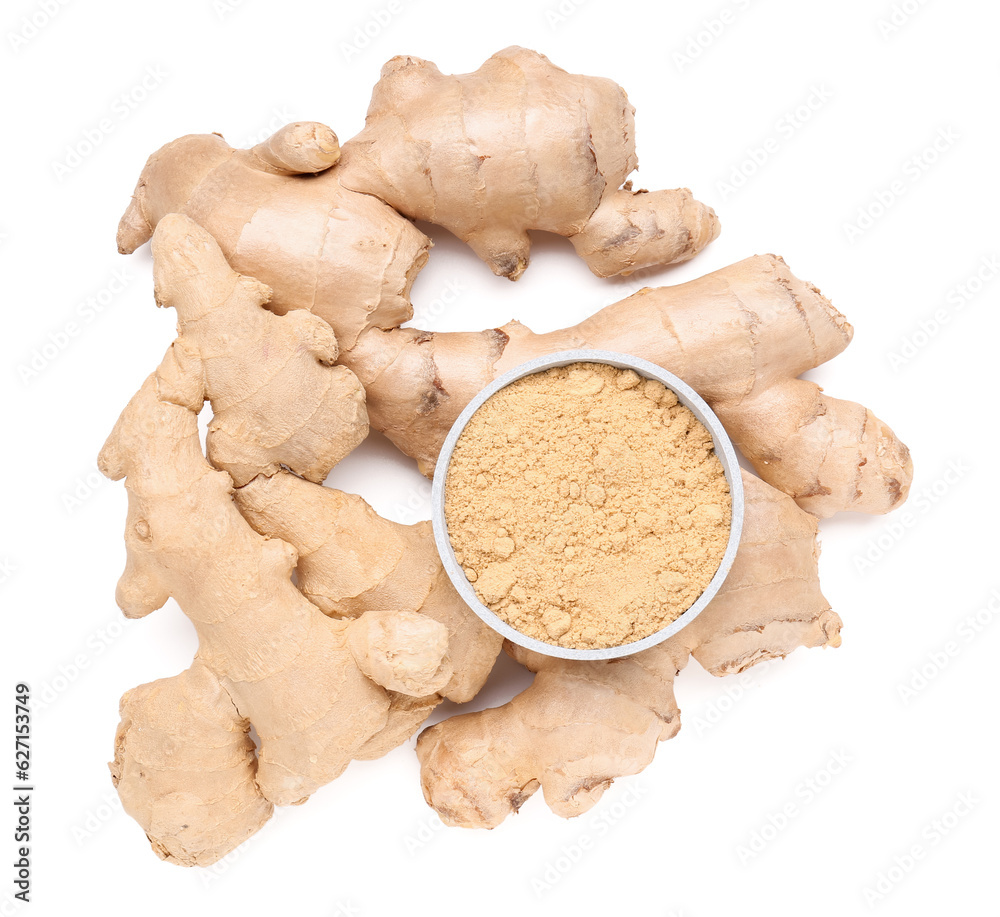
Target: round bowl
686 396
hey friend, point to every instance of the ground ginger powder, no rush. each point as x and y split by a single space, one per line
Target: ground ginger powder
587 506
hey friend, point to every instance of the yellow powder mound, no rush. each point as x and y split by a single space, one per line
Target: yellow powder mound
587 506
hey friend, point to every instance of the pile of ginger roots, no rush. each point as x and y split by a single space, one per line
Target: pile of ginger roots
290 266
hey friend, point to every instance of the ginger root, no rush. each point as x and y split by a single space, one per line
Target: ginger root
185 767
277 399
339 572
281 214
518 145
740 337
521 144
347 662
581 724
277 403
266 655
320 690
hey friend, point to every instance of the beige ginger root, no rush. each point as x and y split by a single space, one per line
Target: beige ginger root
339 572
582 724
740 337
266 657
185 767
349 664
277 403
277 399
311 222
352 561
320 690
317 245
520 144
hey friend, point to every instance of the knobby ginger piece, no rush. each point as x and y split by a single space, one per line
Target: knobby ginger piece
352 561
277 398
317 245
476 154
520 144
266 657
740 337
320 690
582 724
316 229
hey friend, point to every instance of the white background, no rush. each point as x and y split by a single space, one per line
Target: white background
668 841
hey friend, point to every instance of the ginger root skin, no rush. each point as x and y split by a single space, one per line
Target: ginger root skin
582 724
740 336
340 571
301 148
520 144
302 679
185 768
277 398
280 214
278 403
320 689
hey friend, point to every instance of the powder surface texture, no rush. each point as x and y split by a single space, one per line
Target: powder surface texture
587 506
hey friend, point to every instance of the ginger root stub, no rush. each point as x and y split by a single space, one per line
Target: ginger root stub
587 506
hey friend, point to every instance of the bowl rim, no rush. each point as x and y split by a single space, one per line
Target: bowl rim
689 398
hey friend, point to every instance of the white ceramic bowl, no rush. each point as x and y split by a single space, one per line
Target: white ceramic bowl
690 399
